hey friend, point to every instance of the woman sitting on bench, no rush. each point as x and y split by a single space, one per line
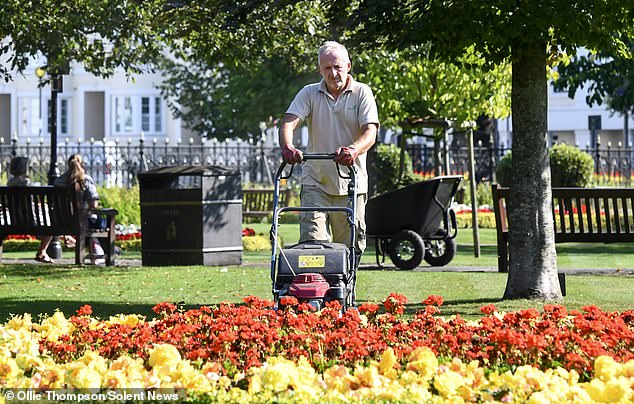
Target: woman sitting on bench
75 173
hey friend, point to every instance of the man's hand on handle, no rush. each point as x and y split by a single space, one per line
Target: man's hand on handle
346 155
291 155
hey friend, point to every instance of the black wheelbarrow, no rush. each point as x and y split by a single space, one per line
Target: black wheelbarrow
415 222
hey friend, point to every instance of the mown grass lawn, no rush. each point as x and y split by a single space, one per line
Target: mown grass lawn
41 289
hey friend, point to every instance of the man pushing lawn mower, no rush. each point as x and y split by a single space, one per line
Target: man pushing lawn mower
342 117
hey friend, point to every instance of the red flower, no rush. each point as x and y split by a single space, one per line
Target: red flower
247 231
289 301
488 309
369 308
433 300
84 310
395 303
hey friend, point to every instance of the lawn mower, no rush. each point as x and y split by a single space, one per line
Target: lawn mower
319 271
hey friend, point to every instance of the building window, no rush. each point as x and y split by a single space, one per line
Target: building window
134 114
123 115
64 114
158 115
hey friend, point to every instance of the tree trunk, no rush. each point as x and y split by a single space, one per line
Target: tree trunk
533 259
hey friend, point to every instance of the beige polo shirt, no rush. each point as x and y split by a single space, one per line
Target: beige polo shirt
333 124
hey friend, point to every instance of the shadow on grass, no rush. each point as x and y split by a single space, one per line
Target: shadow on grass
101 310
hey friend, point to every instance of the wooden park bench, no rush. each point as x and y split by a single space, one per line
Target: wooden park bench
48 210
580 215
259 202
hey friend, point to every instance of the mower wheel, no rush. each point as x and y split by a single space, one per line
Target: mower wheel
440 252
406 249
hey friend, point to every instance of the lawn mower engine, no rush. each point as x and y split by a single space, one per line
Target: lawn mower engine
316 273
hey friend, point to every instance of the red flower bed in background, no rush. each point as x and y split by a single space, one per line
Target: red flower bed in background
21 237
129 236
242 336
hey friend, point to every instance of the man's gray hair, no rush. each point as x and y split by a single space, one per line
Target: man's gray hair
330 47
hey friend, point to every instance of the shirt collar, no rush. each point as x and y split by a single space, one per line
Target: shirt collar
323 89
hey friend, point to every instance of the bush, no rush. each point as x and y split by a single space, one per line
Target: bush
569 167
256 243
484 196
503 171
384 169
125 200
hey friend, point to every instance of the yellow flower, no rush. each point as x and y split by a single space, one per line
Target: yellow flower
596 390
388 360
627 369
616 390
18 322
338 378
606 368
55 326
448 383
131 320
423 361
9 371
277 374
164 355
83 377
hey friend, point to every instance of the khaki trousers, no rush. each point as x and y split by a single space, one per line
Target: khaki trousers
331 226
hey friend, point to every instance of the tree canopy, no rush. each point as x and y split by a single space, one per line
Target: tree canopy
412 83
220 102
100 34
609 77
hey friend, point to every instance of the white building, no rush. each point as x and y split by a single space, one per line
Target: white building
569 122
116 108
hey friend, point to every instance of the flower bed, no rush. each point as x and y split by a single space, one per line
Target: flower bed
249 353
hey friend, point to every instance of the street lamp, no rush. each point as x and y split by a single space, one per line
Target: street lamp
39 72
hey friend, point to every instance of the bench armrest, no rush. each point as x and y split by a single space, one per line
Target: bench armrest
104 211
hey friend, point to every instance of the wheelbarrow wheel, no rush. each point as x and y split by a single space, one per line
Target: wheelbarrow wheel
406 249
440 252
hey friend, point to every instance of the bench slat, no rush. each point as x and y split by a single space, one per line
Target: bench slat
259 202
599 204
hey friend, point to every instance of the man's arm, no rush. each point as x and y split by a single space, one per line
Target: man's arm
289 123
289 153
367 138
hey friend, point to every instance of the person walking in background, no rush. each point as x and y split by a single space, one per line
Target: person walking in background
19 170
342 117
76 174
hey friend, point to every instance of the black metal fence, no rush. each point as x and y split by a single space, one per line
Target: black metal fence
117 164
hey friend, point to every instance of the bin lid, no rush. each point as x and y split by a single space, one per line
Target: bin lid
198 170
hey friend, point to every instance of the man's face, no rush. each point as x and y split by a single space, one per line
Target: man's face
334 68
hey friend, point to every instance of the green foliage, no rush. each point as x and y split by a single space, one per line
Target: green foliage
503 171
100 34
486 220
569 167
125 200
256 243
20 245
129 245
610 74
222 101
483 194
384 169
413 82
